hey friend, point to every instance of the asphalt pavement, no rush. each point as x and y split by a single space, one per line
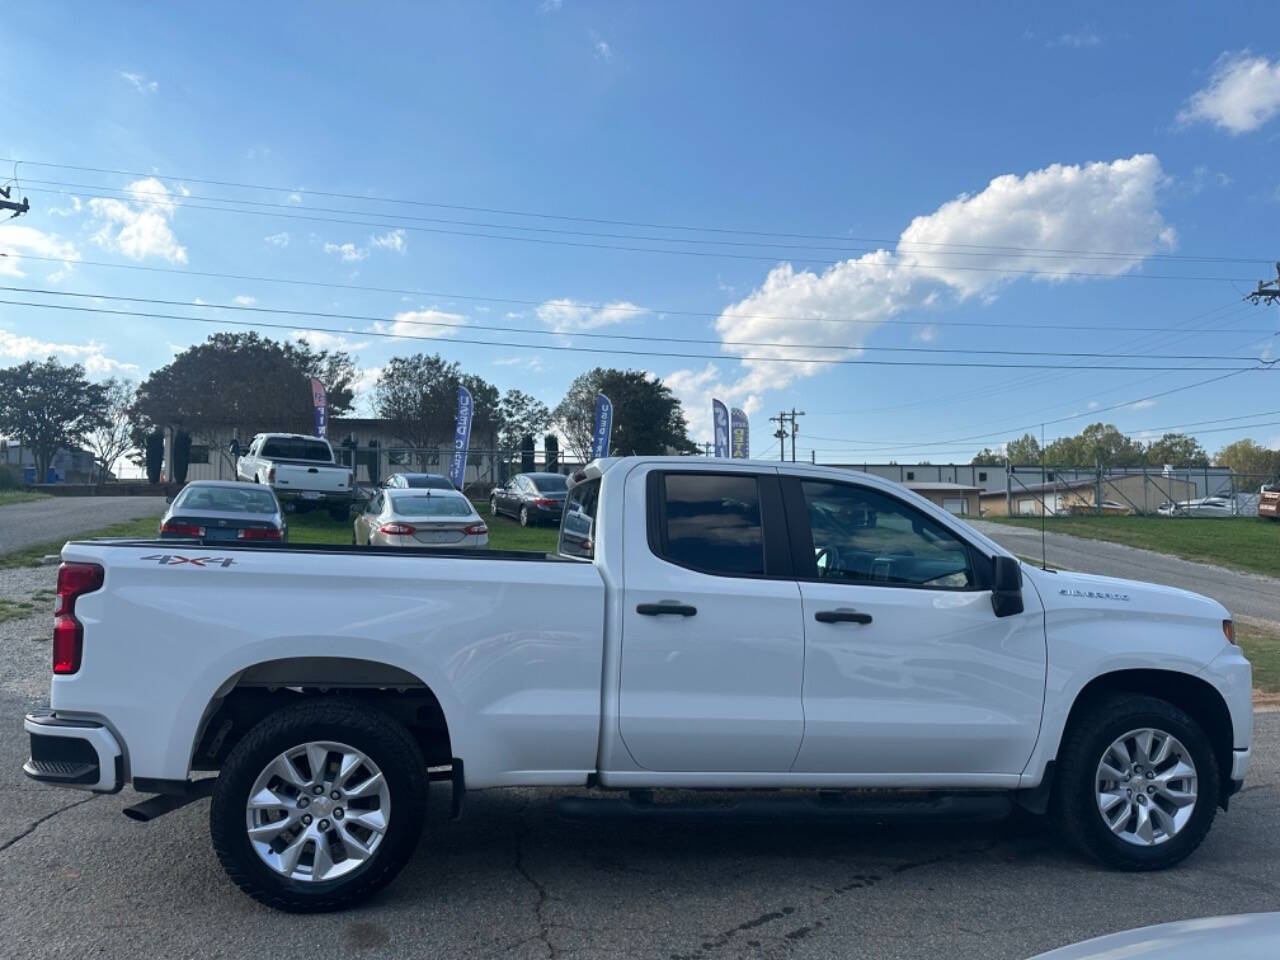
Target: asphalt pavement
1244 594
60 518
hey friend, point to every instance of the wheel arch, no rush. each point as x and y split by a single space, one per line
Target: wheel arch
1194 695
264 687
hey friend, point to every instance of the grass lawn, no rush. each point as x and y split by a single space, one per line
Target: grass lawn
504 533
1261 644
19 496
30 556
1243 543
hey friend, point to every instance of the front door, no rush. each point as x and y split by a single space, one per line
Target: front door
712 640
907 668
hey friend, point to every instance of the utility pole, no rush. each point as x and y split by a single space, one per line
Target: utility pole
794 430
1268 292
706 448
7 203
781 433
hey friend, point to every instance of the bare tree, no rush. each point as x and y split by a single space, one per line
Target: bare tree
112 439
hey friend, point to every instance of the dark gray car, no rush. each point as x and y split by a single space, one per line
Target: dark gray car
531 498
214 510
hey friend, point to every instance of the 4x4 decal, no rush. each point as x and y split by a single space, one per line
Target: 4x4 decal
173 560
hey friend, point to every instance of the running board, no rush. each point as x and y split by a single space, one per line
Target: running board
968 807
157 806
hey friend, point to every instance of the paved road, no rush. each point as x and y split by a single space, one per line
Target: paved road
36 521
512 880
1244 594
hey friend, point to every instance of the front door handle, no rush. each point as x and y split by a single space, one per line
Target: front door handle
842 615
666 607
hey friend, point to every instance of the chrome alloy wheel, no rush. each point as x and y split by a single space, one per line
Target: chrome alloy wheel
318 811
1146 786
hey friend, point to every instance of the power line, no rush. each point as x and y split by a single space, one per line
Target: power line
900 247
612 336
373 198
834 361
621 308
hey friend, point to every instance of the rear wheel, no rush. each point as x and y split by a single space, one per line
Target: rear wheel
493 506
525 519
319 806
1138 783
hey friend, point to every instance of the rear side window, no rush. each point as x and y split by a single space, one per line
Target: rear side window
578 525
296 448
711 522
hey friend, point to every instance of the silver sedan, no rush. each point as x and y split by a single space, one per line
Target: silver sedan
420 518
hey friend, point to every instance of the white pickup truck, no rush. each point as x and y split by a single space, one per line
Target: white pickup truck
704 624
301 470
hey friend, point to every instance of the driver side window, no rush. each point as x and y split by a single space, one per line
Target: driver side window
867 537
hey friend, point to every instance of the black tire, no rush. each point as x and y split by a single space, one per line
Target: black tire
493 506
382 739
1075 807
525 519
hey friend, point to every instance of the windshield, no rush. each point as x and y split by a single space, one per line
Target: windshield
296 448
435 506
550 483
230 499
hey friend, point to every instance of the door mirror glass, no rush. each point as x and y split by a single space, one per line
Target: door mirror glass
1006 586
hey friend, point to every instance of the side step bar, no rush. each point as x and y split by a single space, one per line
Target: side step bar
968 807
163 803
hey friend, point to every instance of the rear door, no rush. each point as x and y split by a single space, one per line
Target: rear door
907 668
712 640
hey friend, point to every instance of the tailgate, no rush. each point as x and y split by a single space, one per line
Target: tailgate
324 478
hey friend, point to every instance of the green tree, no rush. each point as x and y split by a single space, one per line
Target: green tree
1023 451
113 437
1098 443
986 457
48 406
242 382
418 395
521 416
647 416
1248 458
1176 450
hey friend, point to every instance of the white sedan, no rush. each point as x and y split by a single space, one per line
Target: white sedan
420 518
1203 507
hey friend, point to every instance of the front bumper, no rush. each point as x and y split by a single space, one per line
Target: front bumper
82 754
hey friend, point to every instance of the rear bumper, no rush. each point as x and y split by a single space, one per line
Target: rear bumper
313 496
82 754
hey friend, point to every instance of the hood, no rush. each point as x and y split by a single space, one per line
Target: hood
1066 590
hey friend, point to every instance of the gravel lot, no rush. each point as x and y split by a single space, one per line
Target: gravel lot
513 880
22 524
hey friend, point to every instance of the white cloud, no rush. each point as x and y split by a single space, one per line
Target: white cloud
245 300
600 47
18 239
1142 405
1094 404
422 323
323 340
348 251
1242 95
363 387
19 349
140 227
278 239
532 363
393 240
926 334
1109 206
565 315
550 6
1087 36
139 82
295 197
71 211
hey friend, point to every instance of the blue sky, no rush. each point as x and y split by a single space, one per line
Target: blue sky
1104 130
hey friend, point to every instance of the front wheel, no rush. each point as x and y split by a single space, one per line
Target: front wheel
525 519
319 806
1138 783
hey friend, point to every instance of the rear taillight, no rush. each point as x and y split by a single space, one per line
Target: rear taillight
271 475
476 530
254 534
397 529
182 530
74 580
351 481
544 502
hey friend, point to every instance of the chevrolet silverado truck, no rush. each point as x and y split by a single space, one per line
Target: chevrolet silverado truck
720 624
301 470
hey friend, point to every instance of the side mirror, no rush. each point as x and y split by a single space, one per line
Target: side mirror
1006 586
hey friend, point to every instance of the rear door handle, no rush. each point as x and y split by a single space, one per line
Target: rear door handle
842 615
666 607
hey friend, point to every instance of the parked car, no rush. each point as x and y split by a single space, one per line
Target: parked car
531 498
1242 936
1202 507
420 518
301 470
720 625
216 510
1269 501
418 481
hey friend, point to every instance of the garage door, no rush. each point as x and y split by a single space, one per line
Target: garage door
957 505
